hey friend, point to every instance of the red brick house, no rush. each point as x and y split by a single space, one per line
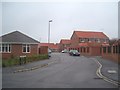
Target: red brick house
64 44
88 42
53 47
111 51
15 44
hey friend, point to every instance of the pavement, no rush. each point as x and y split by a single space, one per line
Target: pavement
109 68
61 70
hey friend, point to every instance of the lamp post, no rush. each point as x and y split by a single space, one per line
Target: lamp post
49 32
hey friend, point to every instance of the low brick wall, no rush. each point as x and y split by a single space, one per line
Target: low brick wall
114 57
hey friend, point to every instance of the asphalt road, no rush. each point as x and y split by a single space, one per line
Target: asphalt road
66 72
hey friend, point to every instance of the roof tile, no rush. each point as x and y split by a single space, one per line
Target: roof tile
90 34
17 37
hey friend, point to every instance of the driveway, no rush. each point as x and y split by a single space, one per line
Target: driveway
64 72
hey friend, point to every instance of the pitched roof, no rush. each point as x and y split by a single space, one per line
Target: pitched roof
90 34
54 46
17 37
45 44
51 45
65 41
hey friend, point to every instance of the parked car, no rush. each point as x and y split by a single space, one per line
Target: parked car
49 52
74 53
64 51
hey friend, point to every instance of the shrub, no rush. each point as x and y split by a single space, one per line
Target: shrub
16 61
10 62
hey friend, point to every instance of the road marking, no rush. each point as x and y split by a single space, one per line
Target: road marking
35 67
112 71
99 74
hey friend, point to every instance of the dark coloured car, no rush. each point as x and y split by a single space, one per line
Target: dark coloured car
74 53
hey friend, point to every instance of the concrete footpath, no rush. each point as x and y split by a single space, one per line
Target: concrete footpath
109 69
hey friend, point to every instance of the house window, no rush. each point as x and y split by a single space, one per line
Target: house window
113 49
87 49
84 49
82 40
106 40
119 49
97 40
81 49
26 48
109 49
86 39
65 45
116 49
104 49
101 40
5 48
0 48
90 39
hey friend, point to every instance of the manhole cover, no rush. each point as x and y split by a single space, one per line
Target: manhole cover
112 71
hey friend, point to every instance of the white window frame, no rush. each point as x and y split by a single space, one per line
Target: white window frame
0 48
82 40
8 46
98 40
26 48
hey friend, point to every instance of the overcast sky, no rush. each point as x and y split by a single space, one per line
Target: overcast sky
32 18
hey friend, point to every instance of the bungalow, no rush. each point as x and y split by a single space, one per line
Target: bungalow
88 42
15 44
64 44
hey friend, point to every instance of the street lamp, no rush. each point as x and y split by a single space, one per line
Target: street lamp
49 31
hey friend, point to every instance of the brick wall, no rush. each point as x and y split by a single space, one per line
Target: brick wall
43 50
63 46
90 50
95 51
115 56
74 40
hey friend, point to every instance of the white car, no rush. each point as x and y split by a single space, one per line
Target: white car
49 52
64 51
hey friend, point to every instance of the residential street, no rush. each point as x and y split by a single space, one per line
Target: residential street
64 72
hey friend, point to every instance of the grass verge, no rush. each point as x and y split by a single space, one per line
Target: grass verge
16 61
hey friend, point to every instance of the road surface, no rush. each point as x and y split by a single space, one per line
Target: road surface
64 72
